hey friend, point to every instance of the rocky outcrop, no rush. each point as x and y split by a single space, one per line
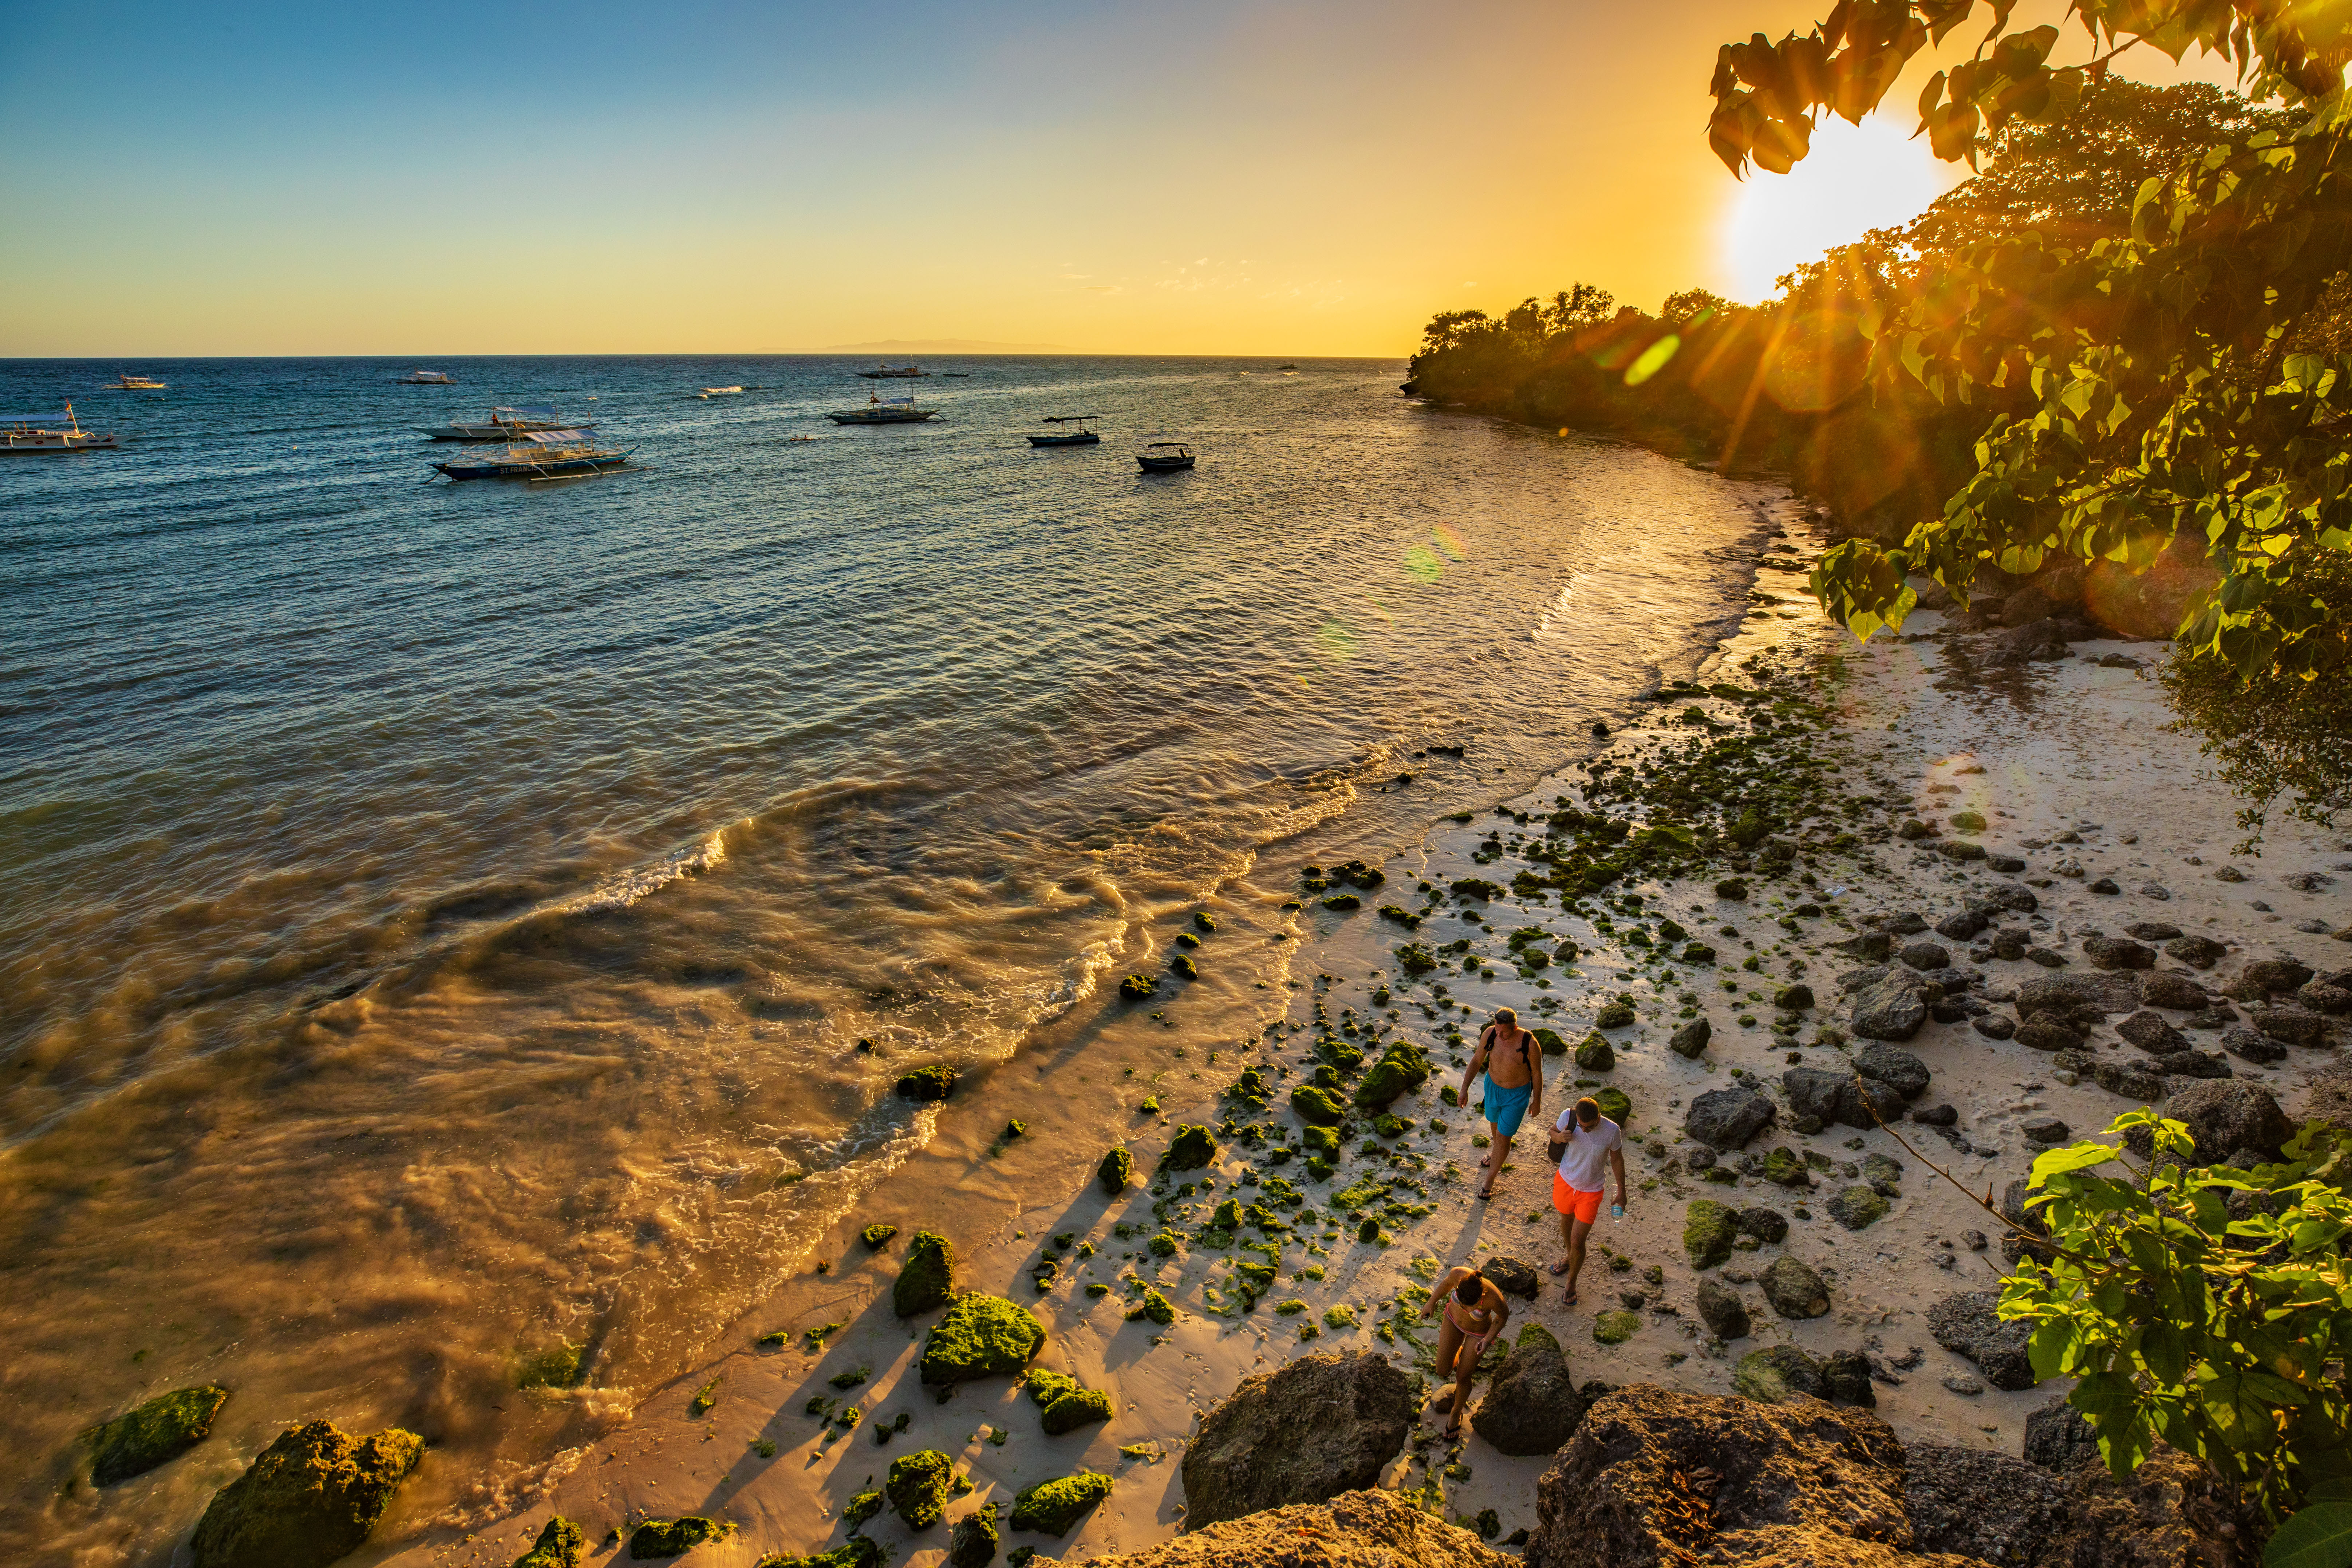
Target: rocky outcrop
1532 1405
2057 1438
982 1336
1997 1509
1304 1433
927 1280
311 1497
1354 1530
2226 1116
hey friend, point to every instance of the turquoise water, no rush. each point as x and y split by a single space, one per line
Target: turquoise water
440 917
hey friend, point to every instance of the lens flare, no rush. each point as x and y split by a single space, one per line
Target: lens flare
1421 565
1450 543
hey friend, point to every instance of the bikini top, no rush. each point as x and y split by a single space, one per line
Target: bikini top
1479 1315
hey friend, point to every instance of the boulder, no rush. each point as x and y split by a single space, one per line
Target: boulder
2068 994
1777 1375
1709 1230
1858 1209
1966 1324
2197 951
1512 1276
927 1280
1691 1038
312 1495
2116 953
918 1487
560 1544
2252 1046
1725 1119
2058 1437
1532 1405
1978 1503
1306 1432
1846 1379
1989 1508
1962 925
2046 1032
2178 992
2130 1080
2150 1032
1192 1149
2275 973
982 1336
1367 1529
1054 1506
1722 1310
1764 1224
1794 1290
1841 1097
154 1433
1900 1070
1117 1167
1793 998
2224 1117
1892 1009
2292 1024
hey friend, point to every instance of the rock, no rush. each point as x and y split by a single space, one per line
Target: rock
1777 1375
2152 1034
1114 1172
312 1495
2045 1129
1962 924
2189 1064
2132 1082
1403 1067
2292 1025
1732 888
1841 1097
1691 1038
1846 1379
1614 1328
1306 1432
1316 1107
1793 1290
1076 1408
927 1280
1985 1507
560 1544
2058 1437
1192 1149
934 1082
1764 1224
2178 992
973 1542
1793 998
2225 1116
1709 1230
1512 1276
1052 1506
1657 1478
2107 886
1368 1529
2197 951
1721 1310
2044 1032
982 1336
2116 953
1890 1010
2252 1046
2334 1000
1981 1505
1935 1116
1967 1325
2276 973
2070 994
1532 1405
1926 956
2152 931
1995 1026
1857 1208
1595 1054
1962 1382
1725 1119
660 1538
1900 1070
154 1433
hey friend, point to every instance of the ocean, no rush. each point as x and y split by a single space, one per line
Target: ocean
448 925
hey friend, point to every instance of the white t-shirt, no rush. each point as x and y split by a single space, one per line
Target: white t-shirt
1586 1158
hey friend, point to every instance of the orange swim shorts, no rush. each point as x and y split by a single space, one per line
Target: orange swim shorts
1585 1207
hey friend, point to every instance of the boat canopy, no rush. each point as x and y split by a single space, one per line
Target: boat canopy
526 410
1069 419
552 438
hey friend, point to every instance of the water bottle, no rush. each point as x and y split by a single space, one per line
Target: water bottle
1616 1213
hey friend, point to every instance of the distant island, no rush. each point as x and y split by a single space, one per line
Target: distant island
902 346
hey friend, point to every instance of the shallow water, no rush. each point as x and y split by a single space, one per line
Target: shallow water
440 920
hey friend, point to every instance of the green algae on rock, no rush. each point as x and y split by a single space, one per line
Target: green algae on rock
1154 1307
981 1336
704 1398
1403 1067
1184 967
973 1542
1117 1166
1191 1148
857 1552
927 1280
1203 920
1709 1230
1053 1507
1552 1043
1616 1015
659 1538
557 1366
558 1545
1593 1053
1139 987
1614 1104
918 1487
1076 1408
1776 1374
309 1497
934 1082
1316 1107
861 1507
1614 1328
878 1237
151 1434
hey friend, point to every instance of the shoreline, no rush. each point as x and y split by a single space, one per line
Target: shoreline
2055 742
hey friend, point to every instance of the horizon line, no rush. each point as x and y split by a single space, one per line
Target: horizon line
682 353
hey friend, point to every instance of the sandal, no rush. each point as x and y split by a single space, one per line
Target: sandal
1560 1266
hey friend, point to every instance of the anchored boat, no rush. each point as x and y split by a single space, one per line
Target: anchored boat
506 423
539 455
881 410
884 373
29 434
129 382
1081 437
1164 457
426 378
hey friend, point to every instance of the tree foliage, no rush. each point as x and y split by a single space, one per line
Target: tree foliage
2205 1306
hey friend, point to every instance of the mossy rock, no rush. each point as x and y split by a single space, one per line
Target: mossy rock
1551 1042
1389 1126
918 1487
934 1082
1403 1067
1139 987
1343 902
1857 1208
1190 1150
1117 1166
1077 1408
1615 1328
927 1280
973 1542
982 1335
1052 1506
1777 1375
857 1552
878 1237
312 1495
557 1366
659 1538
1731 887
161 1430
1203 920
1316 1107
1183 967
1534 1335
1782 1168
1615 1103
1045 1385
1709 1230
1594 1053
559 1545
1154 1307
1615 1016
862 1507
1323 1140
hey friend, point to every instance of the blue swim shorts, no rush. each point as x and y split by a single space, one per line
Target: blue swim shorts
1506 1108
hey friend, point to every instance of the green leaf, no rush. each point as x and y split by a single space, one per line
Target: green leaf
2078 1157
2317 1536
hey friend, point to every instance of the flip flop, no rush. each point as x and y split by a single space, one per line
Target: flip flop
1560 1266
1454 1434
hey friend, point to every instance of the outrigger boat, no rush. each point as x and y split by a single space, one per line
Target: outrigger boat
129 382
884 373
540 455
1081 437
881 410
27 435
506 423
1164 456
717 391
426 378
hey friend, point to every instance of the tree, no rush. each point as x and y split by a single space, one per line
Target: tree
1693 305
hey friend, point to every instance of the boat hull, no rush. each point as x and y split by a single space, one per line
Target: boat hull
862 417
57 441
503 469
1163 465
1088 439
484 433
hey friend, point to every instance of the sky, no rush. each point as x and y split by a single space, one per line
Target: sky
1295 178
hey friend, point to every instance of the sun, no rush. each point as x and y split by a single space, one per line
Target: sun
1855 179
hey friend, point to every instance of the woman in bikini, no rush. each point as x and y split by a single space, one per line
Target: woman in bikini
1513 1064
1474 1315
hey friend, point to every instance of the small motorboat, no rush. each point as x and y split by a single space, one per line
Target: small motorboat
539 455
1164 457
426 378
885 372
31 435
506 423
881 410
718 392
1081 437
129 382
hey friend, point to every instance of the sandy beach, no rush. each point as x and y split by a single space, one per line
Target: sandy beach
2070 764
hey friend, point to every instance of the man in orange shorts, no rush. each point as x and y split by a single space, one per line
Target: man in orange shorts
1583 1140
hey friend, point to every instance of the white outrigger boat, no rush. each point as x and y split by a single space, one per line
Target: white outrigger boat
506 423
426 378
28 435
129 382
881 410
540 455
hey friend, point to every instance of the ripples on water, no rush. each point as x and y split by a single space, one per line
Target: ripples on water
439 919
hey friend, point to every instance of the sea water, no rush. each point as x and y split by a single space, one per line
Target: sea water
446 923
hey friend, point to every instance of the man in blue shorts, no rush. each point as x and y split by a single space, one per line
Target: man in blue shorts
1513 1064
